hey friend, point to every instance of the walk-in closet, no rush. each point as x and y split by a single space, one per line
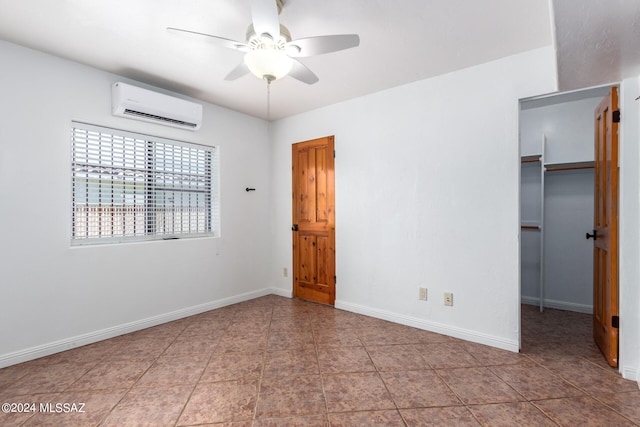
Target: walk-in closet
557 200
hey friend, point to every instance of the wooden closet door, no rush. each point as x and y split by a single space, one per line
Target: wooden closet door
314 220
605 230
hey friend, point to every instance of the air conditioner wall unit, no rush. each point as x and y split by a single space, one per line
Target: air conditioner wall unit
143 104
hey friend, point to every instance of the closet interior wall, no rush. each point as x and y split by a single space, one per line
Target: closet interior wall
557 193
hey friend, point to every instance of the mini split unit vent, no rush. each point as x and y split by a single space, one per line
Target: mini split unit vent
142 104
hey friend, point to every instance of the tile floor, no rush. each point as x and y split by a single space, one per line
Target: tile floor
275 361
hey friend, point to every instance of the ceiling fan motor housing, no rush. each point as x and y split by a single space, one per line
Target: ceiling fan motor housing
255 41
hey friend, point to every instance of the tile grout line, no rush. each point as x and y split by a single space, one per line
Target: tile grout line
377 371
136 381
265 351
197 382
316 346
613 409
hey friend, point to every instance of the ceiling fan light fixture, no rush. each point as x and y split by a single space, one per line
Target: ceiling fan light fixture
268 64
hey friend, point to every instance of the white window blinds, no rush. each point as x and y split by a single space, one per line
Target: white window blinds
136 187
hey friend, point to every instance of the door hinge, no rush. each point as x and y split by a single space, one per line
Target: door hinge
334 154
616 116
615 322
334 280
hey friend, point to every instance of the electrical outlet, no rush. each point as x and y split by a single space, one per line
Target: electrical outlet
448 298
422 294
285 272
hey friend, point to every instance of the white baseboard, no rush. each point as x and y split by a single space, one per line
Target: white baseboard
630 374
281 292
560 305
92 337
427 325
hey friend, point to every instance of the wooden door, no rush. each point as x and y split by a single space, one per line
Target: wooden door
605 229
314 221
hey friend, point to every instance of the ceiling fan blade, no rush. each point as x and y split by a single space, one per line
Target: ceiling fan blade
311 46
299 71
264 14
238 72
231 44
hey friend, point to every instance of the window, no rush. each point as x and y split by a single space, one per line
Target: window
128 187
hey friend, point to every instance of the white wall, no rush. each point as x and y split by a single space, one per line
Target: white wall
568 127
54 296
427 194
569 208
629 216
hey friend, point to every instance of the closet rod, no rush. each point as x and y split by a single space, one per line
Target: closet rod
567 168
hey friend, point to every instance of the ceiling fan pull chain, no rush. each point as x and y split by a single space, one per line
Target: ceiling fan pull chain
268 99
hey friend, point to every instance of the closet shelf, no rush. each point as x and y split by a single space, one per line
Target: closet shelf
531 159
553 167
531 227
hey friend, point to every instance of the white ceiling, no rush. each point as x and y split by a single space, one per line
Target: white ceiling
597 41
401 42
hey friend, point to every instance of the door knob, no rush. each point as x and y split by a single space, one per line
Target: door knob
594 235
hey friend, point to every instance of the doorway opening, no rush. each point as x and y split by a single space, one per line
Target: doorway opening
557 194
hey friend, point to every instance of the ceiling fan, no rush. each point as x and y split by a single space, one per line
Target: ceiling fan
270 54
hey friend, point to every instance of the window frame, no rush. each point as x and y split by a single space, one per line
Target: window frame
162 177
